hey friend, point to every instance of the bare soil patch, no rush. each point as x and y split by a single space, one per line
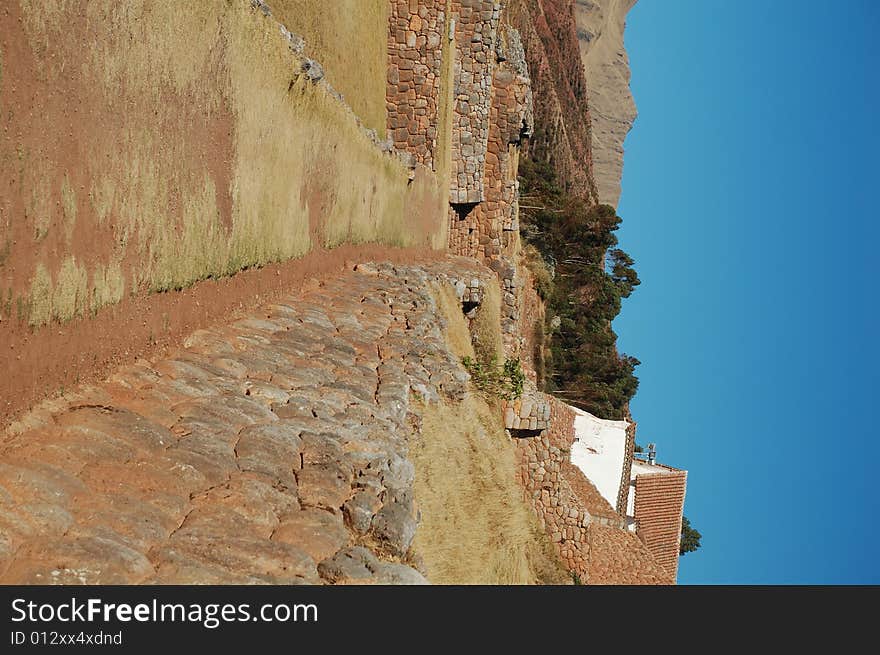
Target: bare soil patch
42 363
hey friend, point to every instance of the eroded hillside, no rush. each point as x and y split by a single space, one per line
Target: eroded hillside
562 112
600 26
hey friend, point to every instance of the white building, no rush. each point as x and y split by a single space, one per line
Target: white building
654 492
599 451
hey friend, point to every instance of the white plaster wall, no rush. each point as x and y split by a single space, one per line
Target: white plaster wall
631 502
599 451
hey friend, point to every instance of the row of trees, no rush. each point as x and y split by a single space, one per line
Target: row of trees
589 276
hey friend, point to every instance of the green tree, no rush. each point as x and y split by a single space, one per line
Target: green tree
690 537
622 273
590 277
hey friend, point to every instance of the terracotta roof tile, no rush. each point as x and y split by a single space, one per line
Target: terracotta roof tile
659 502
619 557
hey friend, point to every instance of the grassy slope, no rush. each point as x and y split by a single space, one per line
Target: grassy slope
350 31
476 527
213 153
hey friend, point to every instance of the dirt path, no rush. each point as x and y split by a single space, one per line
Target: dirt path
50 361
268 449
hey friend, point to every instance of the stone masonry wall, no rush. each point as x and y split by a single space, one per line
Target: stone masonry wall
475 29
561 514
530 412
417 30
589 536
510 120
491 114
489 229
492 117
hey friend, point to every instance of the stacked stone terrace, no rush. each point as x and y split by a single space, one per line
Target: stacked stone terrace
475 31
491 113
485 225
589 535
528 414
417 31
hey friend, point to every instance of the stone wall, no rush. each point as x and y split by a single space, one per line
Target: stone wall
416 36
566 503
589 535
530 413
488 227
491 119
560 515
493 115
474 31
490 114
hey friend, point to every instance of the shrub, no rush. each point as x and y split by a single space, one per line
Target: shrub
501 381
540 270
690 537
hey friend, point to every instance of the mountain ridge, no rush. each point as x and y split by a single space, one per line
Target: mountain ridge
600 29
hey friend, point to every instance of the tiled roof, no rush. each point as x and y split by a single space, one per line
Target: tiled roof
659 501
619 557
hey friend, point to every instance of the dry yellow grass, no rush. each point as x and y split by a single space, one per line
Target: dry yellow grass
296 152
108 286
68 205
351 30
66 298
70 293
486 326
38 205
445 113
456 333
102 197
476 527
40 297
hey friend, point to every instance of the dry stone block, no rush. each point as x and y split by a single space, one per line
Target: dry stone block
317 532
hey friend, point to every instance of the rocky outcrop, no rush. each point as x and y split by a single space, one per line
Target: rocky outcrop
600 25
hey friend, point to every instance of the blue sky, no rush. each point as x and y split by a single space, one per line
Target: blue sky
746 206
